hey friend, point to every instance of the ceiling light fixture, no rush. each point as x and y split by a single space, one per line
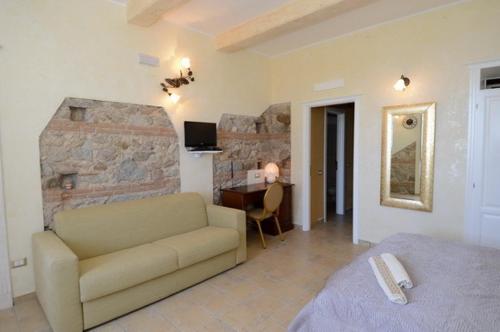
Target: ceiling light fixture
402 83
185 76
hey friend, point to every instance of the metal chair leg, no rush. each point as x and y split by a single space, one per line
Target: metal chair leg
261 234
279 228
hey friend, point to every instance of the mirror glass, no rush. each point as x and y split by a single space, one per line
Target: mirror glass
408 156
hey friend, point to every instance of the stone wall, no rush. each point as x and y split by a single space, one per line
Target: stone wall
250 142
403 170
96 152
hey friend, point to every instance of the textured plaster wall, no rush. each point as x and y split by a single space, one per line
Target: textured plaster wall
433 49
98 152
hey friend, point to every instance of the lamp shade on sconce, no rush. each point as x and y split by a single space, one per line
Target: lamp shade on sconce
185 63
402 83
174 98
271 172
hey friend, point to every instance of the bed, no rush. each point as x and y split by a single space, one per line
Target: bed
456 288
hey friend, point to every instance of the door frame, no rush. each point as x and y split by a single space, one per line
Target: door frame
473 172
306 159
5 279
339 174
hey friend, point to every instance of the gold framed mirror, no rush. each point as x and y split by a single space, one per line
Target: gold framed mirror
408 156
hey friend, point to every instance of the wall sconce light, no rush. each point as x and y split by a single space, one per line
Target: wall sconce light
174 97
185 76
402 83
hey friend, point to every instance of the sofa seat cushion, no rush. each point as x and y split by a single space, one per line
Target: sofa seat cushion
199 245
110 273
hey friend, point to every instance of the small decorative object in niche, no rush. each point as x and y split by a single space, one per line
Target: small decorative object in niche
407 174
68 181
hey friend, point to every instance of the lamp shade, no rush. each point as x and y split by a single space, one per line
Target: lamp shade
185 63
272 172
400 85
174 98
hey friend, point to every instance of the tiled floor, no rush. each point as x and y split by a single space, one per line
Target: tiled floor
263 294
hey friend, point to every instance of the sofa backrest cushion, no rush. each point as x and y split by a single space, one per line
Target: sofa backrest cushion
102 229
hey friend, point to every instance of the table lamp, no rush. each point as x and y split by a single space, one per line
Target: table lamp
271 172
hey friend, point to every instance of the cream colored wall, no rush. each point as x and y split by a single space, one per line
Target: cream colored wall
54 49
433 49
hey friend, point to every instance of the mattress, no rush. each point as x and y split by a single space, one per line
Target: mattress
456 288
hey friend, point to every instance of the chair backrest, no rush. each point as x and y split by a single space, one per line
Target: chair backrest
102 229
273 197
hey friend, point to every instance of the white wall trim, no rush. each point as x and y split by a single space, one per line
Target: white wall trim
471 232
306 160
5 282
471 225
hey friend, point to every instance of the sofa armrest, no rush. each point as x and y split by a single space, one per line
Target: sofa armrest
226 217
57 282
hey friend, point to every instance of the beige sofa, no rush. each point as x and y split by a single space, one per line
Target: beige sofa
104 261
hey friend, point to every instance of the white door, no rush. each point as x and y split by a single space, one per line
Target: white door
486 185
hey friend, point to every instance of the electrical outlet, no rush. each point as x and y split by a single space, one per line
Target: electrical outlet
19 263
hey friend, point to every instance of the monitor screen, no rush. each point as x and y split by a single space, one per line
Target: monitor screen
199 134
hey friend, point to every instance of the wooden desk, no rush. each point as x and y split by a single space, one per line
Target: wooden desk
246 197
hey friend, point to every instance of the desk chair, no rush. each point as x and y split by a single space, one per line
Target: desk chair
272 201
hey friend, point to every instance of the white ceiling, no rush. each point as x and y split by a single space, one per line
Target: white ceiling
215 16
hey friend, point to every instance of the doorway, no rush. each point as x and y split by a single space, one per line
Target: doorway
483 180
331 170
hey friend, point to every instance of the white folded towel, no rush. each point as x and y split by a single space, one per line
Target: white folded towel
397 270
386 280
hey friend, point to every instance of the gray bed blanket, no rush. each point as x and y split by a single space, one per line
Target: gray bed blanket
456 288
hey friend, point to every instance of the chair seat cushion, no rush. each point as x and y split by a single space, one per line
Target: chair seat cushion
256 214
110 273
201 244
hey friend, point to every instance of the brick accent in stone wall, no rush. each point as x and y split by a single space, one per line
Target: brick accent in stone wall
403 170
250 141
96 152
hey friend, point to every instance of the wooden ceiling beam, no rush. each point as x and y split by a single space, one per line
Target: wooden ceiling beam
147 12
287 18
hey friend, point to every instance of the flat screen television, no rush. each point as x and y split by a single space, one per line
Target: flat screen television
200 135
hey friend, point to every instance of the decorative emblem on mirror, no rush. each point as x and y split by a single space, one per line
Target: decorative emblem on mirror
410 122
